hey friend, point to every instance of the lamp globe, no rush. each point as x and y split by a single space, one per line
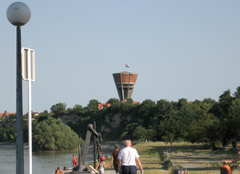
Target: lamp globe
18 13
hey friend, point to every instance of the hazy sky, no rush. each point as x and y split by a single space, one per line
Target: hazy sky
179 48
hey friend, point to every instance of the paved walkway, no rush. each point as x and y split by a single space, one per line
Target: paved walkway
109 172
105 172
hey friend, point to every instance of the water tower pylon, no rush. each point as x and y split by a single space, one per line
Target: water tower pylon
125 82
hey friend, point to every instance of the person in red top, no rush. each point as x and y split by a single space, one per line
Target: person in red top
74 160
114 157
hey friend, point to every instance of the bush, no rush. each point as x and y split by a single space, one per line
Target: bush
167 164
175 169
53 135
163 156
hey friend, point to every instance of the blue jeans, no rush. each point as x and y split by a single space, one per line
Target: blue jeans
115 165
129 169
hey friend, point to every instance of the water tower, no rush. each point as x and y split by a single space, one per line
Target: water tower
125 84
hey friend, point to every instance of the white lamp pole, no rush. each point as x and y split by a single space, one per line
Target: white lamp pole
18 14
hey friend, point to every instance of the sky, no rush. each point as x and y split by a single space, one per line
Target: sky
179 48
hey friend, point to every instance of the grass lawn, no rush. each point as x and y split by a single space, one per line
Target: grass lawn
150 156
196 158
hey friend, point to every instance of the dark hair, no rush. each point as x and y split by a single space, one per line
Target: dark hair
116 146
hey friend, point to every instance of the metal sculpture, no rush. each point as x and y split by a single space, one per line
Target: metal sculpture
81 168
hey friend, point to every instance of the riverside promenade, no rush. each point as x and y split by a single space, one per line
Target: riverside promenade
105 172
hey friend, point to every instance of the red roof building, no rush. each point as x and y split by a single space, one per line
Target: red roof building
6 114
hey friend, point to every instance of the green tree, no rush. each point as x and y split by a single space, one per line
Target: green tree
234 109
3 135
167 129
139 133
93 104
234 120
129 100
221 108
43 115
145 113
58 109
198 128
128 132
113 100
237 93
53 135
213 134
12 117
77 109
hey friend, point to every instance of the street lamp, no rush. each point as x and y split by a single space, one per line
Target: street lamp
18 14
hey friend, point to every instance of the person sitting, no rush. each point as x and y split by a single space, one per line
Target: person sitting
237 158
226 168
59 170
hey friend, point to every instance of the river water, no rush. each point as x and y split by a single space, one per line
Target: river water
42 162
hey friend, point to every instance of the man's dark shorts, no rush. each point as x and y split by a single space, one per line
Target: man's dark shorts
129 170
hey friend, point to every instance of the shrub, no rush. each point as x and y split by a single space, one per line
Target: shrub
167 164
53 135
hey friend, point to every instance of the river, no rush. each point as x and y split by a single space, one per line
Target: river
42 162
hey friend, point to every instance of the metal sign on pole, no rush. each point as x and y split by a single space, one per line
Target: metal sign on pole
28 64
28 73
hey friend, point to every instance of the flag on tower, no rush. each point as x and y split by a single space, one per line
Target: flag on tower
126 65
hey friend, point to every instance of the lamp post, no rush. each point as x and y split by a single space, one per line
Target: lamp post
18 14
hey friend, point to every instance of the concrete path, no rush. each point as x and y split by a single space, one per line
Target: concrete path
109 172
105 172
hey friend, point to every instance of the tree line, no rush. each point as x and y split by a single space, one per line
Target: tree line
208 121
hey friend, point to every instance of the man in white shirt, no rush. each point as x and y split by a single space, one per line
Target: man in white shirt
128 158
